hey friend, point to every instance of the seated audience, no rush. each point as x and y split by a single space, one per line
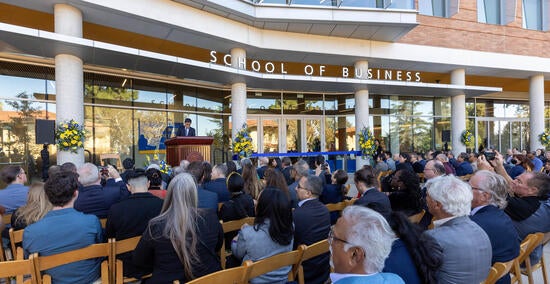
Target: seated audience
217 184
365 181
129 218
94 198
301 169
381 165
207 199
183 242
466 247
404 162
252 185
241 205
263 164
36 208
449 169
359 243
335 192
406 197
312 224
463 165
271 234
155 183
414 257
489 199
286 168
522 164
128 165
274 178
64 229
15 194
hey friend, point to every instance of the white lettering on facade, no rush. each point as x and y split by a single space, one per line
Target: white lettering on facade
309 70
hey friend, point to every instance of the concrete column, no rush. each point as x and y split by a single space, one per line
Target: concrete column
69 78
361 106
458 112
238 93
536 110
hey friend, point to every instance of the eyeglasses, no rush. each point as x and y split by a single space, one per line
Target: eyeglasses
332 237
300 187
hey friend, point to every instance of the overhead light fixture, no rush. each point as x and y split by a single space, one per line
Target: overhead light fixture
124 82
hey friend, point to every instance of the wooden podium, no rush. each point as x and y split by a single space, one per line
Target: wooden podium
191 148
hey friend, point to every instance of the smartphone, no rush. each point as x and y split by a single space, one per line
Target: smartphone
489 156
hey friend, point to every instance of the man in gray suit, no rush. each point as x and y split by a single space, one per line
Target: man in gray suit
466 247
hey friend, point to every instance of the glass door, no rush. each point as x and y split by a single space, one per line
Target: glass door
502 133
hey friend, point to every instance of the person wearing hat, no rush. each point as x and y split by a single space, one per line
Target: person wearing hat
312 224
187 130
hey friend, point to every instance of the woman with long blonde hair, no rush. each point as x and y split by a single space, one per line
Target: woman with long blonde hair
183 241
37 206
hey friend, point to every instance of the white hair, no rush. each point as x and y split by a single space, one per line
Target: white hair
88 174
496 185
370 231
454 195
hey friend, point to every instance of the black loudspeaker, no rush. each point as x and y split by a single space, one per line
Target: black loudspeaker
45 131
446 136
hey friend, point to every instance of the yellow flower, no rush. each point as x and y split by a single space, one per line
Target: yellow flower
79 143
65 144
73 142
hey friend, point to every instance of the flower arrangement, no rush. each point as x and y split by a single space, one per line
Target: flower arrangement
163 166
70 136
242 144
467 138
544 138
366 142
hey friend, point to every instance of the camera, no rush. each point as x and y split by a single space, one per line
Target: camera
489 156
104 171
324 166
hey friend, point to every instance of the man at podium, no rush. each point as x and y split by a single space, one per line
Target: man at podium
187 130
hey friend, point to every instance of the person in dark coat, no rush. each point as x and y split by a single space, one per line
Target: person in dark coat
241 205
187 130
312 224
371 197
406 197
183 242
335 192
217 184
130 217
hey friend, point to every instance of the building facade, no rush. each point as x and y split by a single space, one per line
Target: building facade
303 75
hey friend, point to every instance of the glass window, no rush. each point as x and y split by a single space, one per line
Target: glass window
263 103
497 12
534 17
438 8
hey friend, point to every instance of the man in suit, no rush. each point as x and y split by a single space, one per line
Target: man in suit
207 199
129 218
466 246
187 130
371 197
301 169
218 184
463 166
263 165
490 190
94 198
312 224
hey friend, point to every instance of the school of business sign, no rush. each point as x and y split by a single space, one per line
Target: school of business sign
310 70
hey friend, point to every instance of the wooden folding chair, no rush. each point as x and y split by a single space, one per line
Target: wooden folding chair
337 206
236 275
116 265
529 269
498 270
103 222
293 258
6 220
417 217
232 226
42 263
16 237
526 248
18 269
310 252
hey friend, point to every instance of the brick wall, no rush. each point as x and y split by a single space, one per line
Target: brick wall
464 32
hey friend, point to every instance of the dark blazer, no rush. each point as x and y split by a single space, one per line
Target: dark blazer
181 131
97 200
502 234
207 199
240 206
405 166
376 201
464 168
128 219
286 174
261 171
332 193
218 186
406 202
312 224
157 255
